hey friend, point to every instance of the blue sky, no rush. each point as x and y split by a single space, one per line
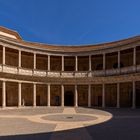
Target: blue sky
72 22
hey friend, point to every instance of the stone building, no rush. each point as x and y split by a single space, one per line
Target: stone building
102 75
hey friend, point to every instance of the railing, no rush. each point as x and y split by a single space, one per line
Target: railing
98 73
126 70
111 72
53 74
39 73
81 74
9 69
25 71
68 74
138 68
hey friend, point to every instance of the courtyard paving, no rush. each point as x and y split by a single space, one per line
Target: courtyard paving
57 123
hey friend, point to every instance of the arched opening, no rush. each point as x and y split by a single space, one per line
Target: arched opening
69 98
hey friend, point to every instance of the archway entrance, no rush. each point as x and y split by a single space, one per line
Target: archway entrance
69 98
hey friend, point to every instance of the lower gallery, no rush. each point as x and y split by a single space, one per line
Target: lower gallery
103 75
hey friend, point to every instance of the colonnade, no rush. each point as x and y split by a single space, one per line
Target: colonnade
63 93
76 60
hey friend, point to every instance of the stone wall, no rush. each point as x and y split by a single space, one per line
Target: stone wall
55 63
126 94
55 95
27 60
27 94
111 95
11 57
126 58
112 60
41 95
42 62
96 95
82 95
69 63
11 94
83 63
97 62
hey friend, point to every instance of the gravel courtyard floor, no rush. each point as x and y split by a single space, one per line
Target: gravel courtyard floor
57 123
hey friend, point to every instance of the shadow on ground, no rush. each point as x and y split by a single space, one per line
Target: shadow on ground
125 124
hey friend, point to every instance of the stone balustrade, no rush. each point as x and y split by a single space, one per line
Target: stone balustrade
98 73
25 71
81 74
9 69
126 70
111 72
53 74
68 74
40 73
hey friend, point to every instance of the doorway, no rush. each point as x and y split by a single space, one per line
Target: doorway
69 98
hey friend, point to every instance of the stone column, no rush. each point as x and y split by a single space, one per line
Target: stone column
134 96
48 62
76 97
103 95
19 58
62 63
104 63
134 56
48 102
90 63
3 56
62 95
76 63
89 95
118 59
34 60
3 93
118 95
34 94
19 94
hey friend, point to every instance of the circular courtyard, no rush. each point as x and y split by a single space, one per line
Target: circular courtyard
53 123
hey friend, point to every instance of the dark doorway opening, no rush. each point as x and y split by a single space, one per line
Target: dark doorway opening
38 100
69 98
99 101
138 98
